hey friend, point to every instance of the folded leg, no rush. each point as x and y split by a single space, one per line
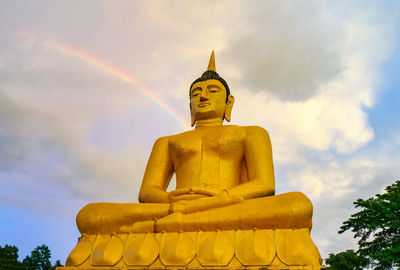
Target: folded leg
105 218
284 211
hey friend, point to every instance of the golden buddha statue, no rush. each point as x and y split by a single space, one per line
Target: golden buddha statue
224 183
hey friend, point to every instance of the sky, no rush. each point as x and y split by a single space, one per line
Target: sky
86 87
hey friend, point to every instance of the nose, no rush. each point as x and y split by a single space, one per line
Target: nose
204 95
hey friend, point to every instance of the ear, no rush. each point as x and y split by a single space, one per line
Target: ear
192 120
228 108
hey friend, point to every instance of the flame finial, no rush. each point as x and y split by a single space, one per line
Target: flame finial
211 64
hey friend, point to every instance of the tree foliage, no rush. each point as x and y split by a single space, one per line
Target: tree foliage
39 259
347 260
9 257
377 226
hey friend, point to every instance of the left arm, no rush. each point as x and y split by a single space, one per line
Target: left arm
260 168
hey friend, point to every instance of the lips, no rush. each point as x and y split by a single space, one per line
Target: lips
203 105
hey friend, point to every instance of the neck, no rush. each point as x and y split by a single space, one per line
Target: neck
213 122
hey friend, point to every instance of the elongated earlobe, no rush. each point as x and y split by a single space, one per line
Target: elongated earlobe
228 108
192 120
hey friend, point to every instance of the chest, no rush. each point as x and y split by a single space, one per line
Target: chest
223 141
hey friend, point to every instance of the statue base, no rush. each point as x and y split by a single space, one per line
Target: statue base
235 249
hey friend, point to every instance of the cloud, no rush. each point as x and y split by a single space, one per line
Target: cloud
49 115
289 50
286 52
337 179
329 115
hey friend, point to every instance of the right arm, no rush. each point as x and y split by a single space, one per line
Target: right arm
158 174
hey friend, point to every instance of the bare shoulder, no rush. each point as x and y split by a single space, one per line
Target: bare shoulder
257 140
175 138
255 131
163 140
255 135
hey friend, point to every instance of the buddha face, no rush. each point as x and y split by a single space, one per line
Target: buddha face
208 101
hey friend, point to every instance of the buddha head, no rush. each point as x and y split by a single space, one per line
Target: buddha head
210 96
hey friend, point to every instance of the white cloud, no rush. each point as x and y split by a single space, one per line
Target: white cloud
329 115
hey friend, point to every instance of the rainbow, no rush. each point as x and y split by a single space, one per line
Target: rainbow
98 63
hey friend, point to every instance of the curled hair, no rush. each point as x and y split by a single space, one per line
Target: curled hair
211 75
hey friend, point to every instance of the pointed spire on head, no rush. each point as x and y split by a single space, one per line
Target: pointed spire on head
211 64
211 74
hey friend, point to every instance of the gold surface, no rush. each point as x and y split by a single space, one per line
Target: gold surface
107 250
236 249
81 252
211 64
255 247
177 248
224 196
216 248
141 249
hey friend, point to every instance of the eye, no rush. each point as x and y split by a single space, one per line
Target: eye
213 91
195 92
